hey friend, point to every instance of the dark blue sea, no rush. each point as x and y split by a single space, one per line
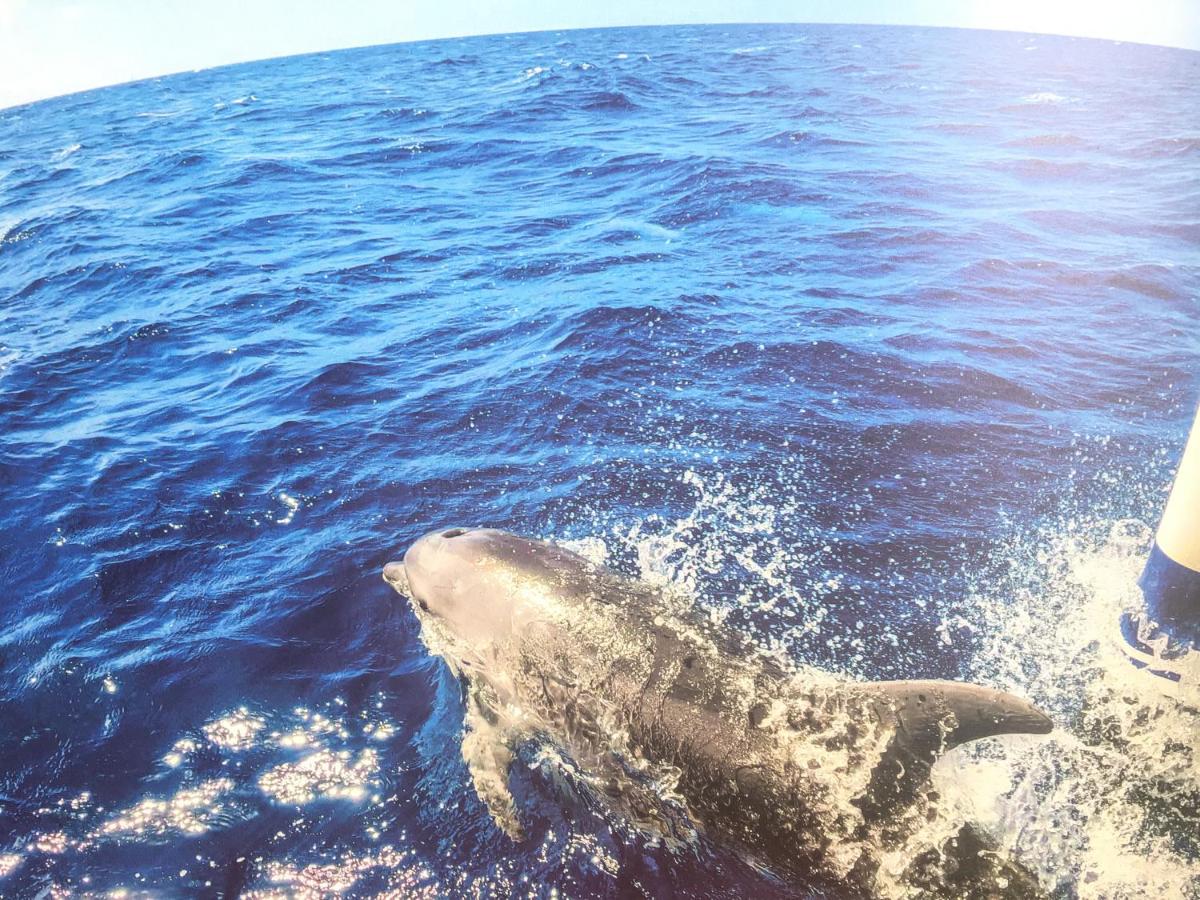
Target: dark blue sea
881 342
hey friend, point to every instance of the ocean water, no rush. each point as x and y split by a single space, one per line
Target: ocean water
880 342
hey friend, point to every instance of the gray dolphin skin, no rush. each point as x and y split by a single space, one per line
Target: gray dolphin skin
785 762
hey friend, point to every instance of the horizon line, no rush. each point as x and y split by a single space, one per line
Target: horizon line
491 34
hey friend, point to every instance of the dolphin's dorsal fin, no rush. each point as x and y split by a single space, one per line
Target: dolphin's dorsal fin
934 716
931 717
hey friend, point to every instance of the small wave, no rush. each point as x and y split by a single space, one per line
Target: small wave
239 101
609 100
259 170
595 327
67 151
965 129
641 229
1149 281
807 139
340 384
7 357
16 232
1038 141
1167 148
1036 169
404 112
1042 97
1189 232
187 160
589 266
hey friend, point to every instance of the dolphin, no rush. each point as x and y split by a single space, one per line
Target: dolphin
790 764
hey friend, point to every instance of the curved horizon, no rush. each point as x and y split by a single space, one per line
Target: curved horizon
63 48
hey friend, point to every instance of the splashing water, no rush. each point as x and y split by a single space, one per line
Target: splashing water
1109 804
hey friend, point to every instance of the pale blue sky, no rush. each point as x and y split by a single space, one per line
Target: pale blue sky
50 47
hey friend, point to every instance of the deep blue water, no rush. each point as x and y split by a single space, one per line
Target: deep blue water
867 309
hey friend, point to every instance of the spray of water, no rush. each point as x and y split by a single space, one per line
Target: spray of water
1111 803
1106 807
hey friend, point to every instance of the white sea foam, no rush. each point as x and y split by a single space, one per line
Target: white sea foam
7 354
1044 97
65 152
237 101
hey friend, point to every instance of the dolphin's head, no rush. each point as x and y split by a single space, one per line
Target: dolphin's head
484 585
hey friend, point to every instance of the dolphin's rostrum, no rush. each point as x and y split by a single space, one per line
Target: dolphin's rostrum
782 761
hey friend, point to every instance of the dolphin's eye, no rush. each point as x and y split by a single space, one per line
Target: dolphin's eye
454 532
